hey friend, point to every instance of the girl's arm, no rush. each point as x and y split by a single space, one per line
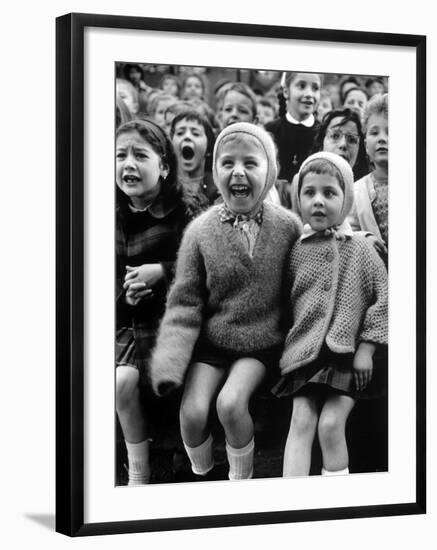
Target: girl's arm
182 320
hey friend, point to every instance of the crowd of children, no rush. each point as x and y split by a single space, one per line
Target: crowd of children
251 246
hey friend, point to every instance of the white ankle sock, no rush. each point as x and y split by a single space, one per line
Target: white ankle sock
201 457
138 458
241 461
343 472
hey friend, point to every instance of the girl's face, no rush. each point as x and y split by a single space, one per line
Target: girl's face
303 95
193 88
242 173
321 200
265 114
236 108
190 143
161 107
138 168
125 94
169 86
342 139
324 107
356 101
377 139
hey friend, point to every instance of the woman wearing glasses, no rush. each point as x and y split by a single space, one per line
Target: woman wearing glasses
340 132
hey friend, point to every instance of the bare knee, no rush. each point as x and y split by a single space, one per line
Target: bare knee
331 429
230 407
194 414
303 421
126 387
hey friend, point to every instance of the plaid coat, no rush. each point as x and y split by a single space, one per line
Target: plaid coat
145 238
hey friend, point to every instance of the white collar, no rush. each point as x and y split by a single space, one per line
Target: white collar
136 210
340 232
308 122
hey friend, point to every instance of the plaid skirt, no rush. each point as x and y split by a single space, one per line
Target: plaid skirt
335 370
133 347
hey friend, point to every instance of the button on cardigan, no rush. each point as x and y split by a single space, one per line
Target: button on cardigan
339 295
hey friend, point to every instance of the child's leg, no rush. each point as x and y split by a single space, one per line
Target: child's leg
297 454
332 437
233 412
133 424
201 386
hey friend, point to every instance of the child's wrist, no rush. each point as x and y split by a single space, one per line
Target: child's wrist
367 347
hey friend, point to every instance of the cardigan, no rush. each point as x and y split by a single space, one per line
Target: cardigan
146 237
339 296
361 217
149 237
222 294
206 193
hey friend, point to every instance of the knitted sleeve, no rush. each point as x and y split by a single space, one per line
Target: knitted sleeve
375 324
287 276
181 323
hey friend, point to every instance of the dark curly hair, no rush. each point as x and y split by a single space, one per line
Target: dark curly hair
127 69
361 167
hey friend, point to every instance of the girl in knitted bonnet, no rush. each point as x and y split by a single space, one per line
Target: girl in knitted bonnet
339 308
222 329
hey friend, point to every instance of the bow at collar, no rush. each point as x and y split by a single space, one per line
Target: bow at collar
340 232
227 215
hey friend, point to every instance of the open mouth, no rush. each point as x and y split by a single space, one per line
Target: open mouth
187 152
240 190
319 215
131 179
382 150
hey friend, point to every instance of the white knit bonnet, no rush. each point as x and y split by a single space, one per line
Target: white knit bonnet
267 145
346 174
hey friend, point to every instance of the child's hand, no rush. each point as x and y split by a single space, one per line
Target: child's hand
363 365
378 245
137 291
149 274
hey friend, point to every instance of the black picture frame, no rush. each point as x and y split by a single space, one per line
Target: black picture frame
70 273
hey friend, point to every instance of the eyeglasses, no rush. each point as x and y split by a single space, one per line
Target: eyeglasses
337 134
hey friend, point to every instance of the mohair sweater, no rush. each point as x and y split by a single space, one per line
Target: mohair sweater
339 295
222 294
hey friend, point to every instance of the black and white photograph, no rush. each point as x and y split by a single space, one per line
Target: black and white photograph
251 263
228 305
218 275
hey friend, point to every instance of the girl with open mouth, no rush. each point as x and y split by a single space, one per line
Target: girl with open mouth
222 330
193 140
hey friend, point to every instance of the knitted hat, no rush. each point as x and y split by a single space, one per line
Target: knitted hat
266 142
345 171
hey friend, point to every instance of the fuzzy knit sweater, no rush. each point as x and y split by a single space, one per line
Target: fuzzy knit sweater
339 295
222 294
